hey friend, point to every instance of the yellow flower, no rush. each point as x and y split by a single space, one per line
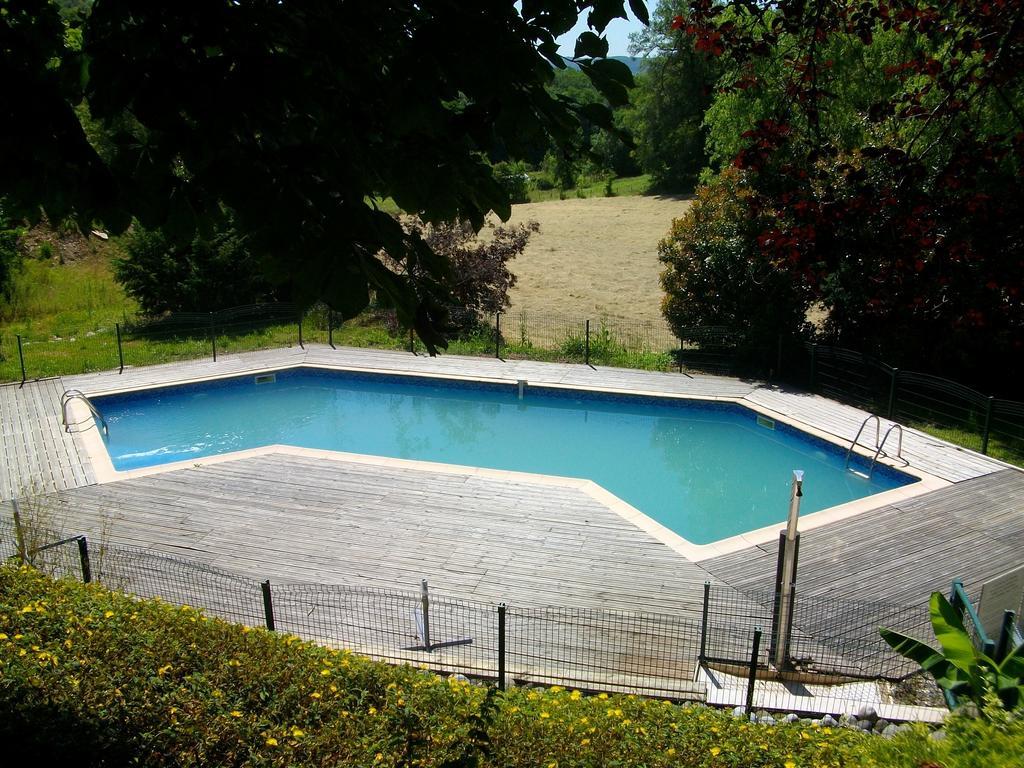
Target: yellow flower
602 695
670 751
584 742
325 672
556 688
235 713
544 715
378 757
716 751
3 636
298 733
575 695
271 742
164 670
315 695
789 764
372 710
334 689
107 614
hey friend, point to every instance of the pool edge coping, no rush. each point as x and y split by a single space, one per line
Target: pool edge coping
104 471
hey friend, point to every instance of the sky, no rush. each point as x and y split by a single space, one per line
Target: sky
617 34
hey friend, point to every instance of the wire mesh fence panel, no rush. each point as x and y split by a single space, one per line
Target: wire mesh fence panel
843 637
851 377
649 654
457 635
548 335
58 560
947 409
8 540
632 344
94 350
165 344
827 636
251 336
148 575
1006 431
708 349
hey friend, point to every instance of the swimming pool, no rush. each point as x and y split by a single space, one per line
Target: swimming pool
705 470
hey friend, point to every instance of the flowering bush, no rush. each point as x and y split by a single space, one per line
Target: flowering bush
91 677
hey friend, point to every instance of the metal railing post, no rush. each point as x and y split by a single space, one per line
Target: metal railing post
704 623
83 558
425 607
412 342
586 347
330 328
814 365
680 355
501 646
497 335
120 350
213 337
268 605
755 649
988 424
21 358
301 345
892 392
19 532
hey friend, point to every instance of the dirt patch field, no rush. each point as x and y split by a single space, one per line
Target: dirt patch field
595 257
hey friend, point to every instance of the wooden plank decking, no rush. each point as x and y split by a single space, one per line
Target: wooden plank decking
302 519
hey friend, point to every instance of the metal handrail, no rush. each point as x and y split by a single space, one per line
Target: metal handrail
899 447
75 394
856 438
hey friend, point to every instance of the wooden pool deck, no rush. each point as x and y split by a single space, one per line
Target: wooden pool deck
285 516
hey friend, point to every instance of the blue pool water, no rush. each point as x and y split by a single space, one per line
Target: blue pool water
704 470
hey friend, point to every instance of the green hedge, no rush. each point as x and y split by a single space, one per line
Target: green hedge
92 677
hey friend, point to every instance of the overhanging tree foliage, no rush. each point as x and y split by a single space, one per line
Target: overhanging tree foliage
293 115
883 147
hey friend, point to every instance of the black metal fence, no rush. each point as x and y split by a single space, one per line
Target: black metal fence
940 406
950 410
668 656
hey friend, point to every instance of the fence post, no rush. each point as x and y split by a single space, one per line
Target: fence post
120 351
497 335
988 424
425 606
704 623
892 392
755 649
330 328
213 337
814 365
501 646
680 355
301 345
586 346
268 605
83 557
778 359
21 358
412 341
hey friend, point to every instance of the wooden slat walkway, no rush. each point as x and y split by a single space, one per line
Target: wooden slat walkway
38 456
484 538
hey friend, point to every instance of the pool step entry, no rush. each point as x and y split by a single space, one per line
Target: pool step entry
878 447
76 394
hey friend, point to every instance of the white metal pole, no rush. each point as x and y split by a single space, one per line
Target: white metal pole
788 568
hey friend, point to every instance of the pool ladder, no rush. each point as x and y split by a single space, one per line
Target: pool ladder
76 394
879 444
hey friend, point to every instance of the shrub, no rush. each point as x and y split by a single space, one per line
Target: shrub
514 179
715 275
91 677
203 275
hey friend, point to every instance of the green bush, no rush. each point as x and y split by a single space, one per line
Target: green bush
91 677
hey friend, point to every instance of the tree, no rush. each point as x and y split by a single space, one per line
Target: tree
883 143
482 278
715 274
672 95
294 115
204 275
